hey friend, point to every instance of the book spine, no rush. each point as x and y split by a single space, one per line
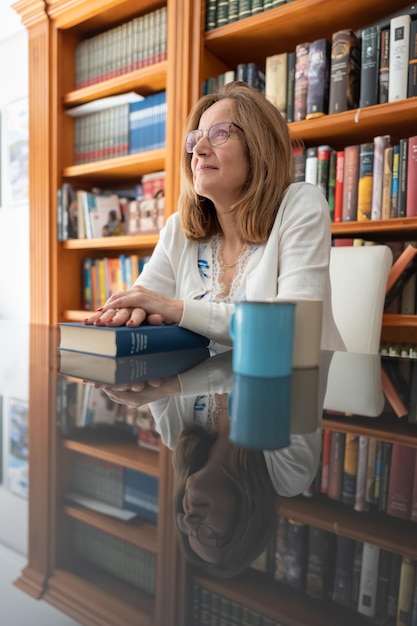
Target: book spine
395 181
338 192
370 54
311 165
350 184
350 468
384 568
331 188
380 143
281 549
401 481
366 167
398 57
301 81
369 580
412 61
276 67
297 553
318 79
337 448
325 461
360 504
405 591
342 578
299 156
383 81
323 169
393 587
402 178
387 183
413 512
290 87
411 195
317 580
344 71
370 471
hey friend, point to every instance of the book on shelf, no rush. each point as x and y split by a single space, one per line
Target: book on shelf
338 192
369 580
337 449
400 485
395 181
384 568
406 590
124 370
393 587
411 194
344 71
360 504
297 542
380 143
342 578
290 86
318 79
386 183
356 573
370 56
319 562
325 460
311 165
401 271
350 184
123 341
281 549
276 68
370 471
301 81
402 178
350 468
299 160
331 187
366 167
383 80
323 169
385 471
398 57
412 61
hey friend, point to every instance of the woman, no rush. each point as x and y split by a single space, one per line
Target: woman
242 230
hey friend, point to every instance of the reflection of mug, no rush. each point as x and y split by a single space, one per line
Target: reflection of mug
260 411
262 334
307 331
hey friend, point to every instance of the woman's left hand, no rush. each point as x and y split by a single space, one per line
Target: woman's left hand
135 306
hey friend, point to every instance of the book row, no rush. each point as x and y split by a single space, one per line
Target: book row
369 181
354 70
120 487
104 276
375 582
222 12
123 560
85 214
125 48
249 73
367 473
85 412
119 130
208 607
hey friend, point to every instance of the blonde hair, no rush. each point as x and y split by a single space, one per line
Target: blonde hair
269 151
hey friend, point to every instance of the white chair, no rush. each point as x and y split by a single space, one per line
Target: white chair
358 276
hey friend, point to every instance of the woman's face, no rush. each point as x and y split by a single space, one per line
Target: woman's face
209 500
220 173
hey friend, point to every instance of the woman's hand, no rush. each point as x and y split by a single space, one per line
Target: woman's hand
135 306
140 393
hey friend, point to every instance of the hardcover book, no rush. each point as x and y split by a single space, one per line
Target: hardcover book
369 580
318 78
401 481
276 67
370 54
301 81
383 81
380 143
412 61
350 184
411 195
344 71
402 178
366 167
338 192
398 57
124 341
290 86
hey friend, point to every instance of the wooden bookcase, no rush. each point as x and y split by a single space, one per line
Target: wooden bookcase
54 28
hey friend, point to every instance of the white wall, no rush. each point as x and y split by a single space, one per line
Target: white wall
14 219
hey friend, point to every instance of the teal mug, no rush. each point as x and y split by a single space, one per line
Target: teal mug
263 338
260 412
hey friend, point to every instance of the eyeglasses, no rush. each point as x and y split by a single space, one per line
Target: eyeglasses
217 135
206 536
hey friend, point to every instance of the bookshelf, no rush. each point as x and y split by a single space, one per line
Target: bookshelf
192 56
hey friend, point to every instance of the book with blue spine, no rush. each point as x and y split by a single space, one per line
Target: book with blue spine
123 341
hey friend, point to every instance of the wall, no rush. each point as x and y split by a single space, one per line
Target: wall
14 219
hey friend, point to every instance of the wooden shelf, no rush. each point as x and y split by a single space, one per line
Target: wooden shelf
106 601
137 532
377 230
138 242
145 81
280 29
384 428
282 603
126 454
130 167
375 527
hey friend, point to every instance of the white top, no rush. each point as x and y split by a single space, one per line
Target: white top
294 263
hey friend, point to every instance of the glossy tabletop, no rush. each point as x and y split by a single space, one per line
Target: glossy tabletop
141 510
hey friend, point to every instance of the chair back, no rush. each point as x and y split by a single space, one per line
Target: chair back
358 276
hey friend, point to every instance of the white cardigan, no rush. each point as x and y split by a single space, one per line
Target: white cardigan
295 264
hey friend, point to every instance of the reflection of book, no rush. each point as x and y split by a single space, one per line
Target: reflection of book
406 590
403 268
369 580
411 193
401 481
124 370
124 341
343 569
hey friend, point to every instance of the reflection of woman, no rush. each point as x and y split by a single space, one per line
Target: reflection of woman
224 500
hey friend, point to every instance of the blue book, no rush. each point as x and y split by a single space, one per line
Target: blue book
124 341
141 494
